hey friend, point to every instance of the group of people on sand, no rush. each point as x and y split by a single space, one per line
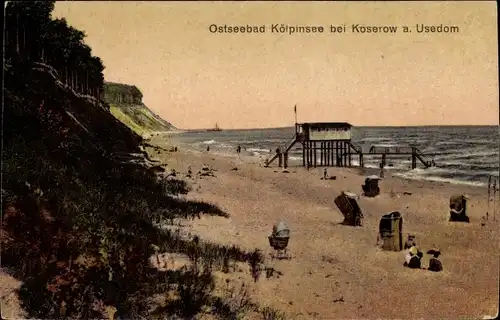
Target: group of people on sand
413 256
238 149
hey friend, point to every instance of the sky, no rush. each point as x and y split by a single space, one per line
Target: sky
195 78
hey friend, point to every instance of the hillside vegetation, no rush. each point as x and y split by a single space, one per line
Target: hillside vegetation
126 105
80 223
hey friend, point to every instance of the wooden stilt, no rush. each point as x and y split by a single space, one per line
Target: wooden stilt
303 154
349 153
321 154
315 154
328 153
413 158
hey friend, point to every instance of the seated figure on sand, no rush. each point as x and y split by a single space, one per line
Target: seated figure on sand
410 242
413 258
434 264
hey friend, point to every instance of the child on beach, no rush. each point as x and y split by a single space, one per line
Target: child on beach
413 258
410 242
434 264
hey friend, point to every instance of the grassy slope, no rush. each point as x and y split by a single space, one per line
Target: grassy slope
79 227
128 120
139 118
131 111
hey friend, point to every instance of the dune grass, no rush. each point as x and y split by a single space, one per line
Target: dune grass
79 228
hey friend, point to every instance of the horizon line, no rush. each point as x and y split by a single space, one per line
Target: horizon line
354 126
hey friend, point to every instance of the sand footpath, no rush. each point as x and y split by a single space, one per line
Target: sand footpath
336 271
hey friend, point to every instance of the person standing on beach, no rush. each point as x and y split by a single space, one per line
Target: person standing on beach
381 170
238 149
208 148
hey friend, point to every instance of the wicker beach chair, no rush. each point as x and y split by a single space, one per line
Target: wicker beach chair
458 208
371 188
348 206
391 231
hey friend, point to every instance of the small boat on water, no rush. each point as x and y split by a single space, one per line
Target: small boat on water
216 128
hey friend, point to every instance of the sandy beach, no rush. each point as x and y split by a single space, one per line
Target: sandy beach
337 271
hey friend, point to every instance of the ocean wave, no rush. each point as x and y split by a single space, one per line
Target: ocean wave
411 176
209 142
447 143
258 150
469 155
470 165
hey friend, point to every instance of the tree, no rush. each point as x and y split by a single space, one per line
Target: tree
26 25
32 35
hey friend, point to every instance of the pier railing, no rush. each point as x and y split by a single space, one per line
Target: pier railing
350 149
285 149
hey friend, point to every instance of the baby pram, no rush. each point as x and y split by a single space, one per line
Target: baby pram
278 240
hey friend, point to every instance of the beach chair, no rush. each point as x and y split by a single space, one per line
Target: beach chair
278 240
458 208
371 188
348 206
391 231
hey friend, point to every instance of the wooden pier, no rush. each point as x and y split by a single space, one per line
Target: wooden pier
328 144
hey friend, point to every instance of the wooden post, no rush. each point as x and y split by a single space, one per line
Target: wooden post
341 154
383 160
303 154
349 153
413 158
309 153
321 154
280 159
332 150
337 164
285 160
361 164
315 154
345 154
328 153
325 153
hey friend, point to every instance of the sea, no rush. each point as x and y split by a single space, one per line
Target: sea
462 154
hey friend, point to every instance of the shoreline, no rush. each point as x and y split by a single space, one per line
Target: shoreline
331 261
391 173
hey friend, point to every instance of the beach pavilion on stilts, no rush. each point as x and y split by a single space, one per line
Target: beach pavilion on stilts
329 144
323 144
